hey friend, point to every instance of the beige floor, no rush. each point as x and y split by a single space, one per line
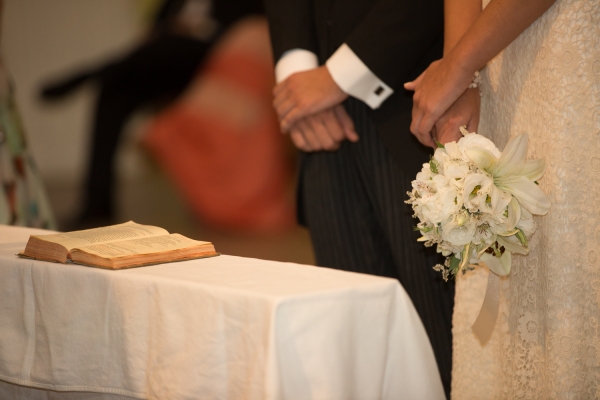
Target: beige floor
150 198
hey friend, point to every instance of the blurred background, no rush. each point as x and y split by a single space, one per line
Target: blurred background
204 160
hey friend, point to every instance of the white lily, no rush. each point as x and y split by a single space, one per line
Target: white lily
512 174
498 265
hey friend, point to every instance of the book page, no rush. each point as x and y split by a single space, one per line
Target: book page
107 234
149 245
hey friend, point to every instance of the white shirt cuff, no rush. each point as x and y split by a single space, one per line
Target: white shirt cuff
356 79
295 60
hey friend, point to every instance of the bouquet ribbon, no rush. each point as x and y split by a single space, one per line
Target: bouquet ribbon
483 327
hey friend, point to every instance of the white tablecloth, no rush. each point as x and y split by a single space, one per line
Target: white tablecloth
217 328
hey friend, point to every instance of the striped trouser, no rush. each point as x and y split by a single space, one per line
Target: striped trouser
352 201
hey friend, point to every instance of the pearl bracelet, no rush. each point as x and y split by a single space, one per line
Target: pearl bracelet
476 82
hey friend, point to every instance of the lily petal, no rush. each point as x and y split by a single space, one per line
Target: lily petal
534 169
483 158
514 214
513 245
500 200
513 156
499 266
530 196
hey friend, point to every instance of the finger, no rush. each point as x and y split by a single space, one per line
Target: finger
448 132
309 134
326 142
293 115
426 123
280 98
332 125
473 124
347 123
310 103
413 84
283 108
298 139
282 86
426 139
430 141
434 134
417 115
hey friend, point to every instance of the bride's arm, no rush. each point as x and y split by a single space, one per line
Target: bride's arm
459 15
494 29
501 22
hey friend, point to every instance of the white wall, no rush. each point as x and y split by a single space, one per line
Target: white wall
42 39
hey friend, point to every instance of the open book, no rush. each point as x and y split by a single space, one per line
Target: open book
117 246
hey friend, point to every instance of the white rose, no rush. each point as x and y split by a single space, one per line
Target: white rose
431 208
451 200
454 152
440 155
460 230
439 182
456 170
425 173
473 140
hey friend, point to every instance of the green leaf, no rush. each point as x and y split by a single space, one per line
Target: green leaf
522 238
454 265
439 145
465 256
433 165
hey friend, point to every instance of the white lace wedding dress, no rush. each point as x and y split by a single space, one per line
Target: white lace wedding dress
546 344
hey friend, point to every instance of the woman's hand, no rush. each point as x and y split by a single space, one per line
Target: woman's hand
436 89
464 112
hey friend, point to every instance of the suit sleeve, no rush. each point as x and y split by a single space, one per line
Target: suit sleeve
395 35
291 26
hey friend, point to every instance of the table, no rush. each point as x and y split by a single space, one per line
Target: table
217 328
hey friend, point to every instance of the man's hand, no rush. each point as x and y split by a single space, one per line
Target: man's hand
464 111
324 130
305 93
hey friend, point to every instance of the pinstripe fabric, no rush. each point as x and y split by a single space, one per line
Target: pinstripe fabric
352 201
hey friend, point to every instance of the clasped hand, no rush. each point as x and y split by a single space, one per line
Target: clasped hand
309 108
442 103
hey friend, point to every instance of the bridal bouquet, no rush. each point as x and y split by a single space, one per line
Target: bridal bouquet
476 203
